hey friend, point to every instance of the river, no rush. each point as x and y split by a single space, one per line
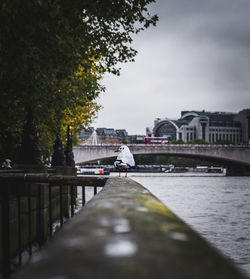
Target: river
216 207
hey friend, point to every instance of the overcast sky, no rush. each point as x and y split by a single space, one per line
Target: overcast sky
198 57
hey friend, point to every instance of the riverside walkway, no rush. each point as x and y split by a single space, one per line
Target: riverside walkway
125 232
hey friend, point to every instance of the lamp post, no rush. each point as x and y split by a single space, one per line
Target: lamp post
68 150
30 152
58 157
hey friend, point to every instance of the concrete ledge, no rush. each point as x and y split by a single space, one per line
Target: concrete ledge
125 232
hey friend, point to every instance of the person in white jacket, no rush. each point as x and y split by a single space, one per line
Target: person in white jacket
125 159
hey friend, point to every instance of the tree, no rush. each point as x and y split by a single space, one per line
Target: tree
197 141
53 54
179 141
74 105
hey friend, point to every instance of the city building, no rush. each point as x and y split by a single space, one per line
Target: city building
104 135
86 134
136 139
213 127
122 135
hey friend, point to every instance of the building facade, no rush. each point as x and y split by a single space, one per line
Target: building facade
104 135
212 127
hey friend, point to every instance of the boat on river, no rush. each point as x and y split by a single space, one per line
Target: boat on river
92 171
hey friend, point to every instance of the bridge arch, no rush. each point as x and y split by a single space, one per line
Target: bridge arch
228 154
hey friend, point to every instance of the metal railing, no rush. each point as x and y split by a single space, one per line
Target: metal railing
32 194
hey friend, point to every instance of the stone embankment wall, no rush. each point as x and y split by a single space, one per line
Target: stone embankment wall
37 210
125 232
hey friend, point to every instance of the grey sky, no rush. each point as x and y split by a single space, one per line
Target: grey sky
198 57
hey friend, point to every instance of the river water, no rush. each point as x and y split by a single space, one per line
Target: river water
218 208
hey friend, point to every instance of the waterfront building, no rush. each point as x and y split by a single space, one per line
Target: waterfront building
86 134
136 139
213 127
105 135
122 135
244 118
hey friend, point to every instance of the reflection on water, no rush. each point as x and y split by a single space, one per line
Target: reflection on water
216 207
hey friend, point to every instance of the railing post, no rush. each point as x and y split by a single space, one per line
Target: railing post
50 211
29 219
61 204
6 230
40 233
19 226
83 195
72 199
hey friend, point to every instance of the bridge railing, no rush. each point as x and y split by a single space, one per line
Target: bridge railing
32 208
173 145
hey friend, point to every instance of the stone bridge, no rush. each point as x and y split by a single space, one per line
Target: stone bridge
227 154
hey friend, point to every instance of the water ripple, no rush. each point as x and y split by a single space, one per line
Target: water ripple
216 207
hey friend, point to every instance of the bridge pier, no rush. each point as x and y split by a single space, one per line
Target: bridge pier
125 232
238 170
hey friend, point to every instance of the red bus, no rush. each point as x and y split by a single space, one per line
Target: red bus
156 140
